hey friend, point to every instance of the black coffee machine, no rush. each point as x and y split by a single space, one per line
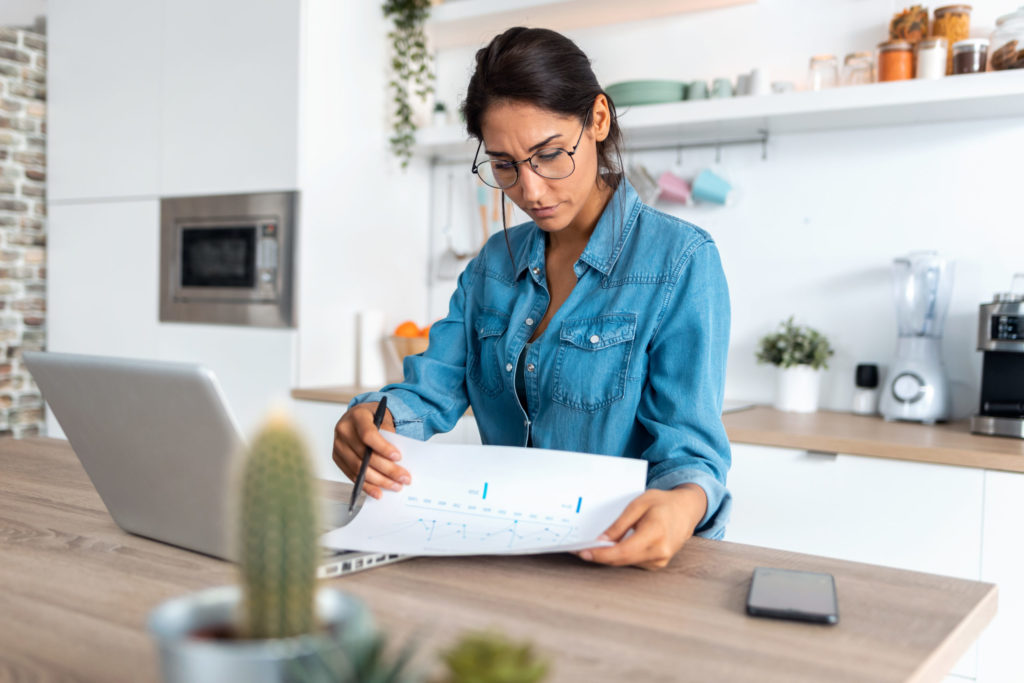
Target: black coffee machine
1001 340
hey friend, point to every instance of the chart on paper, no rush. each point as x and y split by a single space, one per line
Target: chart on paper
469 500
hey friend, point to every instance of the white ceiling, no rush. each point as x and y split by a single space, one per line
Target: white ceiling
21 12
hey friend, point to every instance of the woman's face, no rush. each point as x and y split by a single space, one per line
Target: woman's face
513 131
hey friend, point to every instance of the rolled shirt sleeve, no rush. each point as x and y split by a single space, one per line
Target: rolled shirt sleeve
432 396
681 404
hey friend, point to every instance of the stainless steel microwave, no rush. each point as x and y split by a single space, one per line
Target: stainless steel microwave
228 259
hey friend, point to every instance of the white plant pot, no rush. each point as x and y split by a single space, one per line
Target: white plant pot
797 389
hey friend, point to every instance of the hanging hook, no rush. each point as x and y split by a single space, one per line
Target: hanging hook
718 153
679 155
764 145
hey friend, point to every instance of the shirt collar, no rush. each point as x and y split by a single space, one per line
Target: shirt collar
606 242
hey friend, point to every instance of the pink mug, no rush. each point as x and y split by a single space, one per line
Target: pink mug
673 188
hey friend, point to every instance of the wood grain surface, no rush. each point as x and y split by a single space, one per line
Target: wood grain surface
76 591
832 432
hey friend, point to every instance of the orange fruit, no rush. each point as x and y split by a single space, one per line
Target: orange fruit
407 329
425 331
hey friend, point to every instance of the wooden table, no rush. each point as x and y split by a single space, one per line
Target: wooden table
76 591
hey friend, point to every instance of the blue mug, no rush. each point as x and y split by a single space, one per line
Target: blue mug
710 187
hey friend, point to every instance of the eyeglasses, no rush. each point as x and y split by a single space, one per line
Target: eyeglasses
553 163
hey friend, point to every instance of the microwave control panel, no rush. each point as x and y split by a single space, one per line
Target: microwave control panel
1006 328
267 257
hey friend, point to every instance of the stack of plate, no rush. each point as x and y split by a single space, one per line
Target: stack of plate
629 93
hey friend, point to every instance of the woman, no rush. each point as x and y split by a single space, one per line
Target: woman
601 326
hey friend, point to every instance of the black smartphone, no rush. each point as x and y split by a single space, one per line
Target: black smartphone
791 594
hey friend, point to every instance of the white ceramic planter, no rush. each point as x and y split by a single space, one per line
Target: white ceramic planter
797 389
185 659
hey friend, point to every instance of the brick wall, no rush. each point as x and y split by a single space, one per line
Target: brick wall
22 226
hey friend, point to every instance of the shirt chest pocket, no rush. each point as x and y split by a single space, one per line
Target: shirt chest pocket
593 360
485 367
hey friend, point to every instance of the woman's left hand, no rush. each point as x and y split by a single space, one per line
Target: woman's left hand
662 521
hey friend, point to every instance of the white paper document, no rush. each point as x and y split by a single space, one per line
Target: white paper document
493 500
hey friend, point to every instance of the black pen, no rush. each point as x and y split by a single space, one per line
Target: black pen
378 418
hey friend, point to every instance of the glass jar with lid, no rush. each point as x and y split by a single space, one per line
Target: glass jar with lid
970 56
895 61
1007 42
931 58
952 22
858 68
823 72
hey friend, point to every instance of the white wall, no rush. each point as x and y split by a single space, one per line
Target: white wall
822 218
364 219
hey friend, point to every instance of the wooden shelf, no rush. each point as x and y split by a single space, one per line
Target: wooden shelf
474 22
955 98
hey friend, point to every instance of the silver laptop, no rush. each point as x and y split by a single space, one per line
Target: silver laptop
157 439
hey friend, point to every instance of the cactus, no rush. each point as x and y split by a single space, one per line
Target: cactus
490 657
278 546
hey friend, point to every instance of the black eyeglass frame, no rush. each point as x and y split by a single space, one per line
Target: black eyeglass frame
515 164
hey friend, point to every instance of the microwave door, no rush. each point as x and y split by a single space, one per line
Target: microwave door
220 264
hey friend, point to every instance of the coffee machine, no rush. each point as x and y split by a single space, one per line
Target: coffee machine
1001 341
916 388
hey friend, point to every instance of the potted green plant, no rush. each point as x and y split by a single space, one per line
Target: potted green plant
275 626
410 66
800 353
490 657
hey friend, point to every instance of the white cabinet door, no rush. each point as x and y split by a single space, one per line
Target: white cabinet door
889 512
103 73
1002 562
230 97
102 288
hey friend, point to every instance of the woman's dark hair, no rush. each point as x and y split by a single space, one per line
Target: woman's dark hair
540 67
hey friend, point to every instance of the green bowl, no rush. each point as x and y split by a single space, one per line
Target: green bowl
631 93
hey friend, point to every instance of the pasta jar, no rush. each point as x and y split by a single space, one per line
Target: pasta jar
1007 42
931 58
970 56
952 22
895 61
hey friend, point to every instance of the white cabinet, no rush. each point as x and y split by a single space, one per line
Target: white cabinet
103 113
230 96
172 97
1002 563
902 514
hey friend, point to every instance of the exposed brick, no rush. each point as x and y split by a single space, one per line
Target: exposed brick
29 305
14 55
33 75
35 41
6 138
8 220
3 154
35 92
37 288
9 70
32 223
17 124
34 321
42 127
8 35
35 174
41 62
7 187
8 287
36 109
33 190
12 205
30 158
40 209
34 256
11 105
6 400
27 239
27 415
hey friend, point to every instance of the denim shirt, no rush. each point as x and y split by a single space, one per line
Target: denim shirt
631 365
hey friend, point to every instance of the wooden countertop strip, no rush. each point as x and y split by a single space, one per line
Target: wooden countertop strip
833 432
336 394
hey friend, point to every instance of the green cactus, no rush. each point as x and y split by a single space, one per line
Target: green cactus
278 549
493 658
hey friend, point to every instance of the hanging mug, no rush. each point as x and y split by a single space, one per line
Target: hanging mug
711 187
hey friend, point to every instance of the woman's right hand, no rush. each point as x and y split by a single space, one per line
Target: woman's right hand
353 433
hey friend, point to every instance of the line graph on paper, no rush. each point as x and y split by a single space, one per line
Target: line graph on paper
474 500
476 520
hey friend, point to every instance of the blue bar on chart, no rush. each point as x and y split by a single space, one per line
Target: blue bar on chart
485 491
579 503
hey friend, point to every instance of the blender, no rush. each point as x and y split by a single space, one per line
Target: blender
916 388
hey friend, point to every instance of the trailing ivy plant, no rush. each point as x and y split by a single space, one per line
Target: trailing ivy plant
795 345
410 66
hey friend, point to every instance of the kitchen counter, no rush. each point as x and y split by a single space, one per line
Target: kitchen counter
79 588
335 394
832 432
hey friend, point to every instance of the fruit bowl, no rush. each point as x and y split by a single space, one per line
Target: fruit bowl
408 346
